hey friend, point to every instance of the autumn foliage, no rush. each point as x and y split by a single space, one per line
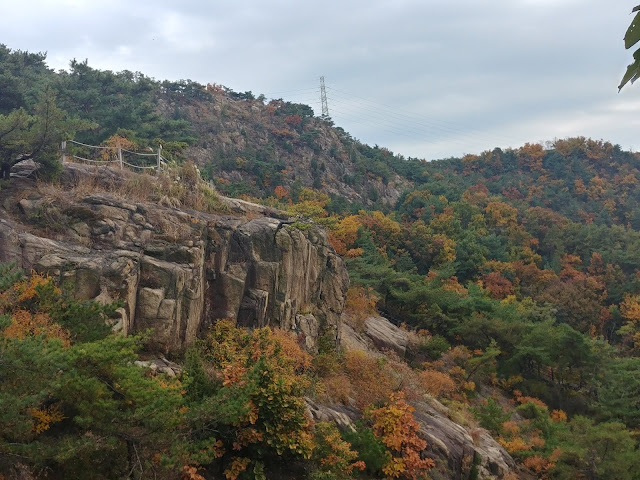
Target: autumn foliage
398 430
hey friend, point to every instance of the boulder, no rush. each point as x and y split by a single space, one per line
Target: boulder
379 334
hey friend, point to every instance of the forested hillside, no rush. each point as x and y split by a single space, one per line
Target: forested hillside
515 271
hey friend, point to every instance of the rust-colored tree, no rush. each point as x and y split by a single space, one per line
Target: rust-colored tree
395 425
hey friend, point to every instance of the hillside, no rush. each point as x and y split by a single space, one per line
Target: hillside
511 278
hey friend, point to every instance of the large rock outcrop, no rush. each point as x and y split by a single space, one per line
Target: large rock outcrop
457 451
175 271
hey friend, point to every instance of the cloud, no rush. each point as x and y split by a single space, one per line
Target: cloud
423 77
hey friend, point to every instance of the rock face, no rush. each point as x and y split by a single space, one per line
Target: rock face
177 272
379 334
454 450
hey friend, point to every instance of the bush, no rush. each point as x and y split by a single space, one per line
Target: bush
491 416
434 347
370 449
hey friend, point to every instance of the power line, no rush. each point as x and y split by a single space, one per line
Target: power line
349 109
418 119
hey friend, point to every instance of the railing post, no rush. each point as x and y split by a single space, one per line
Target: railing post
159 157
64 150
120 156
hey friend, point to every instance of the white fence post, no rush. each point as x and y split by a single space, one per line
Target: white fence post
64 150
159 156
120 156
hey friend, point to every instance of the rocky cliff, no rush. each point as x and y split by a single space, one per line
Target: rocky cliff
175 271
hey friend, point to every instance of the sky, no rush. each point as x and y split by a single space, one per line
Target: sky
425 78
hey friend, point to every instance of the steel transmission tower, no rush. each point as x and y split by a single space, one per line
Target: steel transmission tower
323 100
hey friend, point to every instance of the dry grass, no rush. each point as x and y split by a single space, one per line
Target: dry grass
179 186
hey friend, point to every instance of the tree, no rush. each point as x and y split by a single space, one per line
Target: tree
591 451
67 406
630 39
26 136
395 425
250 411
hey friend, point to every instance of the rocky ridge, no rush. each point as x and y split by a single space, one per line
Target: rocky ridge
176 271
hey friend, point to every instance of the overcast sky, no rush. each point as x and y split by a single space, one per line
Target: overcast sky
425 78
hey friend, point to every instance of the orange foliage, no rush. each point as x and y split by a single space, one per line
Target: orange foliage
510 428
293 120
280 192
558 416
476 195
452 284
190 473
497 286
522 399
530 155
113 143
371 383
518 444
337 244
538 465
395 425
360 304
337 388
597 188
26 324
291 349
437 383
238 465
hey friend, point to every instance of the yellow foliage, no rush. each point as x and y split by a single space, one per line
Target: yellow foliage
354 253
335 454
501 214
346 230
630 308
44 417
514 446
